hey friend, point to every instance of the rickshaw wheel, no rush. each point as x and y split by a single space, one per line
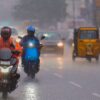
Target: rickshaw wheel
89 59
73 57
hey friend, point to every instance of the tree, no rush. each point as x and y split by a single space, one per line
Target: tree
47 12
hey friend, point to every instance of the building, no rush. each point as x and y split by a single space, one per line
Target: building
97 12
74 6
79 13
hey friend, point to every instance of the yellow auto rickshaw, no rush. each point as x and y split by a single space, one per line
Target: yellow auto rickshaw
86 43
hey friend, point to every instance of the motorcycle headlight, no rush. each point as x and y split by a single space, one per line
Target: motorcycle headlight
18 40
31 44
5 70
60 44
72 44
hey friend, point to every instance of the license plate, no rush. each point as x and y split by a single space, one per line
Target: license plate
5 62
89 53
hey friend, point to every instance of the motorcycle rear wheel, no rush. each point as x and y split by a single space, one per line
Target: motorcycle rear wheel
33 76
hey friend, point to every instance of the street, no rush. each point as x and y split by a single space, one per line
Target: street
28 25
60 79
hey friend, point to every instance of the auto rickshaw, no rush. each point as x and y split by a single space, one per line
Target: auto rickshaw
86 43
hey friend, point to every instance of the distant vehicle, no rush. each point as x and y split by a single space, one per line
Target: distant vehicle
86 43
52 43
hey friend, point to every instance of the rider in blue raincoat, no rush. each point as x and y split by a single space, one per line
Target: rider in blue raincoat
30 37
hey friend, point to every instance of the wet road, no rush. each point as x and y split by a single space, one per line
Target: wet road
60 79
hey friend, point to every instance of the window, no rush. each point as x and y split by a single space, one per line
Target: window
88 35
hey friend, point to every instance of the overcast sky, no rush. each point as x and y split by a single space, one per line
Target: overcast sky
6 8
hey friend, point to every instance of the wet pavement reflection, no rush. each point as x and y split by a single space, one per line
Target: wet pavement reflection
52 82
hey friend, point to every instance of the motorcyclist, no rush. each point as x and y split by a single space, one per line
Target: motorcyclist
30 36
6 41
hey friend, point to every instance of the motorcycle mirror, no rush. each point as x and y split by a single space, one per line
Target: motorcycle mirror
19 37
43 37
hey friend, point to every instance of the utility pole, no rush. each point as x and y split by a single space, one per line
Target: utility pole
74 17
94 13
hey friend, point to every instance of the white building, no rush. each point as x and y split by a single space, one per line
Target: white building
74 6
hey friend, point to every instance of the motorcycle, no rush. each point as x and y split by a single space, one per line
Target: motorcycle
7 71
30 58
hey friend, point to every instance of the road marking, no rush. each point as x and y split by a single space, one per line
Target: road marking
58 75
96 94
75 84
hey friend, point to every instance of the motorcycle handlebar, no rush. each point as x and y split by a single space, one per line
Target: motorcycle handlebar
16 52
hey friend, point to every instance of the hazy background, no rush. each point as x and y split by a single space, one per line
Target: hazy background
55 15
6 9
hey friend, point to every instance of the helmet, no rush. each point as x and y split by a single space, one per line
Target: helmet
6 33
30 30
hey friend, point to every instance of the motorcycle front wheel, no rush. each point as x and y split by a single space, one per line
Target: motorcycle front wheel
4 95
33 75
